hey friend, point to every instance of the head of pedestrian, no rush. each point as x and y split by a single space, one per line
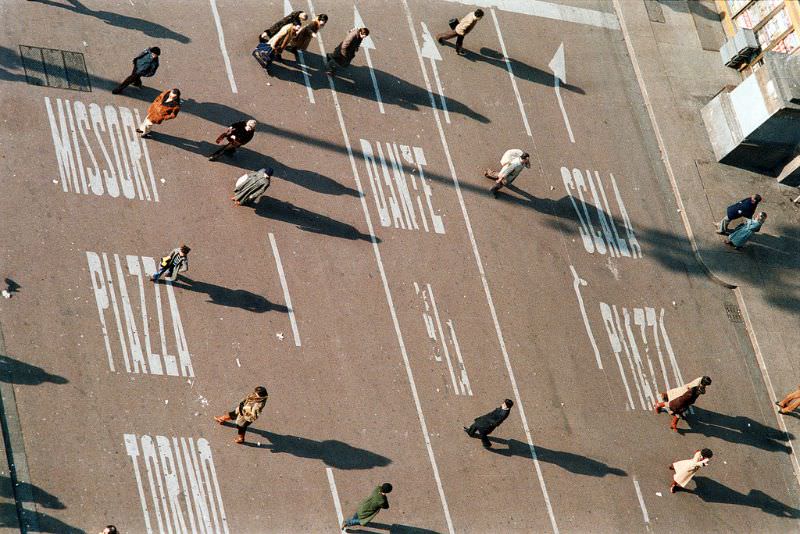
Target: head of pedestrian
155 51
479 13
507 404
303 16
706 453
705 381
322 19
363 32
184 250
762 216
261 391
250 125
175 94
386 488
526 159
756 198
110 529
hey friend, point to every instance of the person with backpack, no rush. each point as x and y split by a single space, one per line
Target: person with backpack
144 65
266 52
460 28
176 262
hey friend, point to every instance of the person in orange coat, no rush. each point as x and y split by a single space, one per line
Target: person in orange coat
165 107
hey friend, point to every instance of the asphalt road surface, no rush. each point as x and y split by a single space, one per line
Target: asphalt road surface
378 291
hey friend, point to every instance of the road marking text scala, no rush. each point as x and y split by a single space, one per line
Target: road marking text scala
98 150
109 278
396 203
180 471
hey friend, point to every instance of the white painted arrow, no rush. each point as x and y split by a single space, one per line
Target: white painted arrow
559 68
287 8
367 44
431 51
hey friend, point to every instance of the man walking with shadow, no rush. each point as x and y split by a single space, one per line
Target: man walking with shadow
238 134
485 424
460 28
246 412
369 507
145 64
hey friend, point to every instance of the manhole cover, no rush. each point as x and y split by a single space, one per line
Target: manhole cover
55 68
734 313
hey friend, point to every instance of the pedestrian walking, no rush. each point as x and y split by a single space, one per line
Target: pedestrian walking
303 38
369 507
678 400
177 261
460 28
246 412
686 469
745 208
486 424
512 162
294 18
165 107
742 233
251 186
110 529
238 134
345 51
266 53
790 402
144 65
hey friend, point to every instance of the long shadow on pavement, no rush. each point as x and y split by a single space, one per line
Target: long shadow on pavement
737 429
22 373
574 463
331 452
307 220
231 298
151 29
394 528
42 499
714 492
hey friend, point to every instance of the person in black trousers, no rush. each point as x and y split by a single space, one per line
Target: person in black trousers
485 424
145 64
238 134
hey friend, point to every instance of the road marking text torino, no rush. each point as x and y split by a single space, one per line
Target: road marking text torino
108 279
399 209
182 490
98 150
608 239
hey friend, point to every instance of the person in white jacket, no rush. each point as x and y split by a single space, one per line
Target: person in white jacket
686 469
513 161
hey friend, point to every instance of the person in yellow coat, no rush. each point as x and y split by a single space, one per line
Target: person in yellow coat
686 469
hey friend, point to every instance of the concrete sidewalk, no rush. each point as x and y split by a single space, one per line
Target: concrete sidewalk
674 50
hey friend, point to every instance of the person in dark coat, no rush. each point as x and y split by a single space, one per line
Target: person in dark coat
345 51
369 507
745 208
296 18
485 424
238 134
144 65
251 186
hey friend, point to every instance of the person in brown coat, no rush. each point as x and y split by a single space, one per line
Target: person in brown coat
345 51
681 398
246 412
303 38
686 469
461 29
790 402
165 107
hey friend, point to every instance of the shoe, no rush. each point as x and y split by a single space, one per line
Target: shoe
221 418
656 408
115 91
139 131
239 440
778 404
487 445
467 431
441 41
146 136
672 489
494 193
461 53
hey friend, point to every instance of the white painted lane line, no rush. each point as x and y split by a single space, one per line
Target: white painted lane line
430 50
559 68
285 287
412 384
479 262
335 495
511 74
548 10
765 375
577 282
641 501
444 341
366 45
222 48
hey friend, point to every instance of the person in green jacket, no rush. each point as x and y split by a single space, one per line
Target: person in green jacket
369 507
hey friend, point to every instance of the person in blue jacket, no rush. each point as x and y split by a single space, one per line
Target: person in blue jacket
745 231
145 64
745 208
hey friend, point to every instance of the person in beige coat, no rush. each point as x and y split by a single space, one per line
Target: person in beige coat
461 29
165 107
686 469
246 413
678 400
